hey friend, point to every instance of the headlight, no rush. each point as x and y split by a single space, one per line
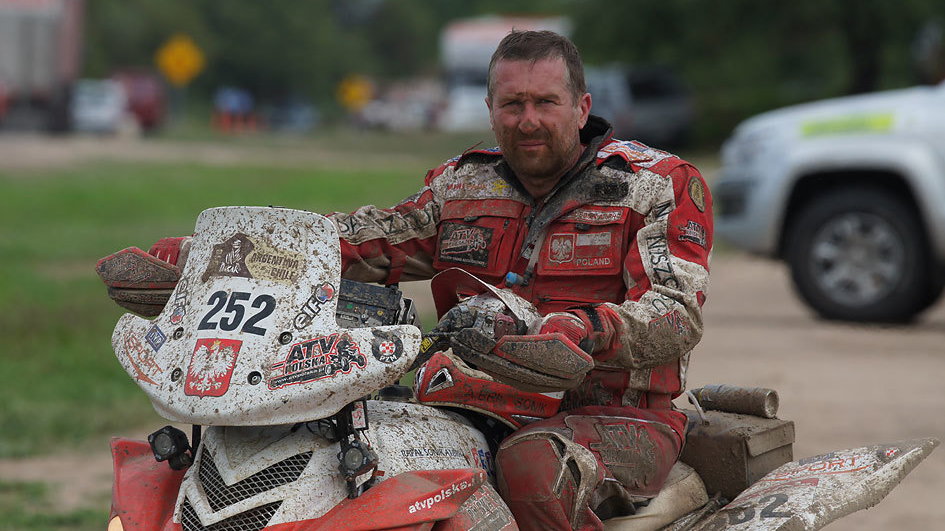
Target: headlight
746 147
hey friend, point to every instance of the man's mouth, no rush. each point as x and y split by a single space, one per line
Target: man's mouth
532 143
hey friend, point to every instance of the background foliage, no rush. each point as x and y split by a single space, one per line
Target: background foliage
739 56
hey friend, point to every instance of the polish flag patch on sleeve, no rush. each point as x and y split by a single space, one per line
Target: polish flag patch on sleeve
628 151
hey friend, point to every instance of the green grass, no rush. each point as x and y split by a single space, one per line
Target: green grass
27 506
59 381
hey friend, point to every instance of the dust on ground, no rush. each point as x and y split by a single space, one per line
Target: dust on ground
844 386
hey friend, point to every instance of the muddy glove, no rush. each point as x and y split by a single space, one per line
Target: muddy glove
142 282
593 328
481 336
171 250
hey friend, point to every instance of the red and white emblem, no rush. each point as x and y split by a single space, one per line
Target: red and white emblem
561 248
211 367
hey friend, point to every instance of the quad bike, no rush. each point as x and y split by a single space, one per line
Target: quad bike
287 376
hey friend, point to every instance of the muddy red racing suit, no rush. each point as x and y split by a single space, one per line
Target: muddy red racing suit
629 227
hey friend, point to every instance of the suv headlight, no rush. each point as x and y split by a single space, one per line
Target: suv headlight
747 147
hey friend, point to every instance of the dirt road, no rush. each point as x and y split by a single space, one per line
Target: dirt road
844 386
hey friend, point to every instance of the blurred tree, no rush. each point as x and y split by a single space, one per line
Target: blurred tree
277 48
127 33
739 56
742 56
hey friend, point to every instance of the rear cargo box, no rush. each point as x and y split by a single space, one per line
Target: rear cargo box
733 451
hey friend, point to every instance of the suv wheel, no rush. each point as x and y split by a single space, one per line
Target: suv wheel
860 255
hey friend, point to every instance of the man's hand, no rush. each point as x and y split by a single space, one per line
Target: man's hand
593 328
143 282
172 250
483 335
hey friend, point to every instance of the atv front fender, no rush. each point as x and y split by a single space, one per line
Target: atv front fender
144 491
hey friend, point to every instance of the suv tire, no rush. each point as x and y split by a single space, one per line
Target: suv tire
860 255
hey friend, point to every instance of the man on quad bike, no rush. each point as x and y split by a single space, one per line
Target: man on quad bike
609 240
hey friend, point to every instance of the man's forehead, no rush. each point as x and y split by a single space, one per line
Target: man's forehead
551 63
526 71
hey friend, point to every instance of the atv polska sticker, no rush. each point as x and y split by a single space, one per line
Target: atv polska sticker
317 358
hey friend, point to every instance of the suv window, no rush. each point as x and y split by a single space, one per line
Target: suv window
653 84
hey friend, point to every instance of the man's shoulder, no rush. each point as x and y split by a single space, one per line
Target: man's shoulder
470 162
632 155
474 175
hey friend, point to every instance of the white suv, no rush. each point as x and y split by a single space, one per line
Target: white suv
851 193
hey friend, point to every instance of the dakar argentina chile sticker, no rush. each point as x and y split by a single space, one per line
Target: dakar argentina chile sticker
242 256
317 358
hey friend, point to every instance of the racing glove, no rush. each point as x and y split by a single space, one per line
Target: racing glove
483 335
593 328
142 282
172 250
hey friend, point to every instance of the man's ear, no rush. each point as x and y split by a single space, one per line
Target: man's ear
584 105
489 106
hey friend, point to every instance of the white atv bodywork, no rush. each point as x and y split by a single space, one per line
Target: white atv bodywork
250 332
249 460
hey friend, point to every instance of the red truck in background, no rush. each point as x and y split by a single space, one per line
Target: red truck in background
40 60
146 95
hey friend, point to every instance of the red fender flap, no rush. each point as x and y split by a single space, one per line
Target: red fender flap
411 500
144 491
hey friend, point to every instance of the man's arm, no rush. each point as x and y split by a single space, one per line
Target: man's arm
392 244
666 272
667 275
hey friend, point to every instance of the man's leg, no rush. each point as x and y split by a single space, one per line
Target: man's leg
555 472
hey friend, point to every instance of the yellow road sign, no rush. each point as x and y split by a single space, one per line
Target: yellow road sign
179 59
354 92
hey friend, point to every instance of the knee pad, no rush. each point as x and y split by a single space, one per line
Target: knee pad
544 469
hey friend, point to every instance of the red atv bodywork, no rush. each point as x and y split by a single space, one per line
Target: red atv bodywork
145 491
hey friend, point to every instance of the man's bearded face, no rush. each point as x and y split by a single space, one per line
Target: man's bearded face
536 117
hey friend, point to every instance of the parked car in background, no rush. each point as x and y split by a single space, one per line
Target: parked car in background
99 106
146 96
649 104
850 192
292 114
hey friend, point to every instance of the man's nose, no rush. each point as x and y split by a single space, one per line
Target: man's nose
529 120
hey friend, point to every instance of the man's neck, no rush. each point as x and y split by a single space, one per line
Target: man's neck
540 187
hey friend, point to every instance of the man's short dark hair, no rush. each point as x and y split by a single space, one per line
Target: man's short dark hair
536 45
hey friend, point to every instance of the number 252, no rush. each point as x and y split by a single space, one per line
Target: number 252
235 311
